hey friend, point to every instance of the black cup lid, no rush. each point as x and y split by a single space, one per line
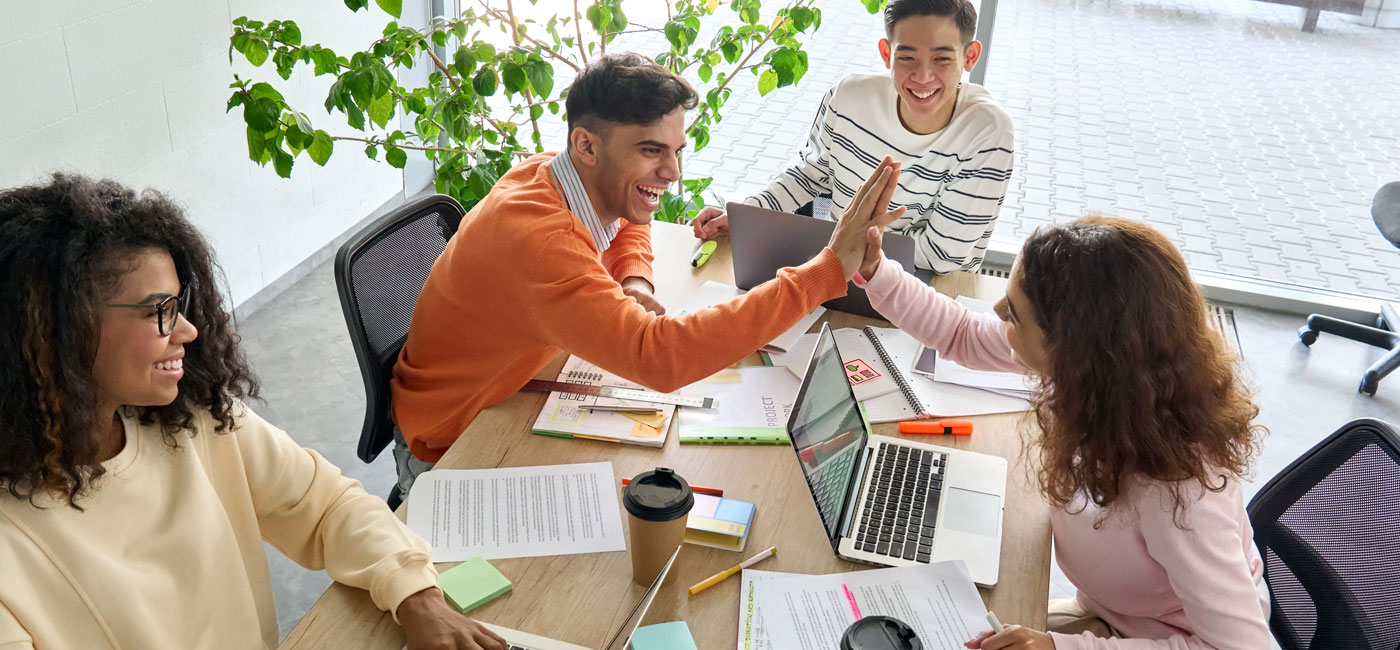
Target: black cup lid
658 495
880 633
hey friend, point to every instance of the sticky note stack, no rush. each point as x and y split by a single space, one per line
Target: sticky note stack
719 523
472 584
664 636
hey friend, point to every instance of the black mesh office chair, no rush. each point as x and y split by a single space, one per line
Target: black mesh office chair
1385 210
379 274
1326 528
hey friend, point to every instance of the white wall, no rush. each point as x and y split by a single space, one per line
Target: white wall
135 91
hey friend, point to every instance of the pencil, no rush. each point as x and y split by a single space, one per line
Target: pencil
714 492
719 577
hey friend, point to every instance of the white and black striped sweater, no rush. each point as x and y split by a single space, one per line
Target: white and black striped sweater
952 182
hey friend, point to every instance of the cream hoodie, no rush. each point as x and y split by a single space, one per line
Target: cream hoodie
168 553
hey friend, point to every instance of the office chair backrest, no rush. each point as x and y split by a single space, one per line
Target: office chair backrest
379 274
1385 210
1326 528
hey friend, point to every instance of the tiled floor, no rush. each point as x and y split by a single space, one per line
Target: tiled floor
299 348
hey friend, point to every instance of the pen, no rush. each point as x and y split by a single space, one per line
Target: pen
714 492
649 410
703 253
719 577
944 427
996 624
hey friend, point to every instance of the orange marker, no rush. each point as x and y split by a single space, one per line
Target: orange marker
939 427
714 492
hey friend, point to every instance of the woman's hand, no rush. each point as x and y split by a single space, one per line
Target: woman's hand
874 238
431 624
869 209
1013 636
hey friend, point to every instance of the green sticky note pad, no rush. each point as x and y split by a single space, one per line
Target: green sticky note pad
663 636
471 584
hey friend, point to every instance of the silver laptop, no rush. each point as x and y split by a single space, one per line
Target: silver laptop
518 640
764 241
890 501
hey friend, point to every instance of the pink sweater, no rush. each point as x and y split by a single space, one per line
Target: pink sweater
1198 586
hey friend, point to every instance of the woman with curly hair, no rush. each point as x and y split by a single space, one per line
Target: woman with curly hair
1145 432
136 488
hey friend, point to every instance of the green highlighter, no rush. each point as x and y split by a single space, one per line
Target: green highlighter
472 584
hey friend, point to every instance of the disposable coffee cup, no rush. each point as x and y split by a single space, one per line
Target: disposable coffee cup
657 503
880 633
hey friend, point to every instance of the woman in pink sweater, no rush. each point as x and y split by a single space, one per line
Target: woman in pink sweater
1144 432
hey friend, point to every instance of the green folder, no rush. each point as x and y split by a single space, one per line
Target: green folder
472 584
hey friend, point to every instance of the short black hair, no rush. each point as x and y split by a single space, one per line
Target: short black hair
626 87
961 11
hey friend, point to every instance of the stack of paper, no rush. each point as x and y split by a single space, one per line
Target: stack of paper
713 293
803 612
561 415
1010 384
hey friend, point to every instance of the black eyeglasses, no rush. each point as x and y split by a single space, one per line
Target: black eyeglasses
167 311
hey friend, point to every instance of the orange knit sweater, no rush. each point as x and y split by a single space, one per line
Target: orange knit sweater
522 280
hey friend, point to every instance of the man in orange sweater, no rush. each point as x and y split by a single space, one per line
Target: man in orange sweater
558 257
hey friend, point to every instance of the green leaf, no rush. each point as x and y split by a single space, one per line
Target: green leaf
535 112
372 151
256 146
701 136
381 109
291 34
262 90
513 77
749 15
873 6
484 83
396 157
599 16
705 72
321 147
297 141
541 75
256 52
675 33
361 86
262 115
484 51
480 181
235 100
355 117
392 7
356 5
731 51
463 62
440 39
282 162
554 108
767 82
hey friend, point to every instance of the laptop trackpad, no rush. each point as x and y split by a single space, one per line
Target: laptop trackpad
966 511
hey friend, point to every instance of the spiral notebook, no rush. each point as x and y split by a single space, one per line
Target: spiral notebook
911 396
562 417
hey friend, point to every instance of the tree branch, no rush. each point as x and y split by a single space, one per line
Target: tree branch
495 13
443 67
578 32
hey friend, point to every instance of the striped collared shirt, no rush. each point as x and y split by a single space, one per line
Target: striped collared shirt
567 180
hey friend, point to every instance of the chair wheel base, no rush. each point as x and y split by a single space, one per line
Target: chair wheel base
1369 384
1307 336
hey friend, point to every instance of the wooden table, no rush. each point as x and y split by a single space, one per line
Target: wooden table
582 598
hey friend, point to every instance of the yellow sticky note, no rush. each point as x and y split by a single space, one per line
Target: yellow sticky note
640 430
725 377
654 420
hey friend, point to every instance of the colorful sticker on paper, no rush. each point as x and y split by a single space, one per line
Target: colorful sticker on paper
859 372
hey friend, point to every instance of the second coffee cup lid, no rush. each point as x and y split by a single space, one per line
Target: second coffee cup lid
658 495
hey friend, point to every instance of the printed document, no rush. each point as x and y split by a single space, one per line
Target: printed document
812 612
752 635
517 511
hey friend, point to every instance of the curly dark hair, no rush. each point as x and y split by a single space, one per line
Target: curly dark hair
627 88
64 247
1137 382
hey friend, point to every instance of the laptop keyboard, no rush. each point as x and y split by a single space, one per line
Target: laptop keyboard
830 481
901 503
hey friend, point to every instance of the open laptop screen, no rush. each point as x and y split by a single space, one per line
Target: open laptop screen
827 432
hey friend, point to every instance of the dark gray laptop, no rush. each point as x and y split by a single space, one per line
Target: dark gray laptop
764 241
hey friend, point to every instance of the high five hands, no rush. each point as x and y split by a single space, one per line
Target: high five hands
866 218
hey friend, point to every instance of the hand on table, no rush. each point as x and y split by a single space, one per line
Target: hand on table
1014 637
869 209
431 624
641 291
711 223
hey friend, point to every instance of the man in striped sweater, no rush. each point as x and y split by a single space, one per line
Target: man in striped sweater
953 140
